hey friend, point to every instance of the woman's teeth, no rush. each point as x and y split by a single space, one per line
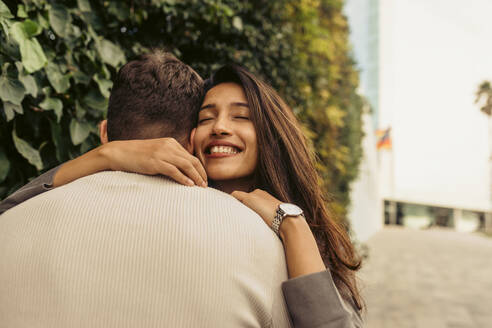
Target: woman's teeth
223 150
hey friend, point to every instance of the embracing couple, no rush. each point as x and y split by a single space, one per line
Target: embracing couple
201 208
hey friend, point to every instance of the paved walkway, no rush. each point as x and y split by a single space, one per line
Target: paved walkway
428 279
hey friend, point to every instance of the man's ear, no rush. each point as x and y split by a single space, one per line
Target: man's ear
190 147
103 131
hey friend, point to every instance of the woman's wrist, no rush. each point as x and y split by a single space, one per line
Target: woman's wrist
105 154
300 247
293 227
91 162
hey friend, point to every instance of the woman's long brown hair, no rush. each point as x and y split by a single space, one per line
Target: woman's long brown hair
286 170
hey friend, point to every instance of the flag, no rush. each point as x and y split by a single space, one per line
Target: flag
384 138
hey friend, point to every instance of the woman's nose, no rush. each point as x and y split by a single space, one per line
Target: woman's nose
221 128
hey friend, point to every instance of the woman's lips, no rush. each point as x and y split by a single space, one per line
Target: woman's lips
221 151
220 155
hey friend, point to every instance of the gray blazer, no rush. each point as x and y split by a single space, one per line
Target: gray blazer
313 300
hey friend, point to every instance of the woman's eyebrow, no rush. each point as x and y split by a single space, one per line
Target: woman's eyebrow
208 106
240 104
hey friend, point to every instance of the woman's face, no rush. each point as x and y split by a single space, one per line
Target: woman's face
225 138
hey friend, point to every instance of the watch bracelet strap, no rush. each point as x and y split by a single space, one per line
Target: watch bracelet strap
277 221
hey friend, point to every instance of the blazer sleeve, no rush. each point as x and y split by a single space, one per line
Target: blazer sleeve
314 301
35 187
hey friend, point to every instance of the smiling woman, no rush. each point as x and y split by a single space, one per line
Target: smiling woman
225 138
241 111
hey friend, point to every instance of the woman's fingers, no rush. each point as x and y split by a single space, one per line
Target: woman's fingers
240 196
196 164
174 173
157 156
259 201
169 151
187 167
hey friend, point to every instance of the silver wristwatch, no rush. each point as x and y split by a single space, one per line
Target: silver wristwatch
284 210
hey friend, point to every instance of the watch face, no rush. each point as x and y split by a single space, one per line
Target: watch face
290 209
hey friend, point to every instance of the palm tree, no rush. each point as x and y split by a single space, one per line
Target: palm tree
484 95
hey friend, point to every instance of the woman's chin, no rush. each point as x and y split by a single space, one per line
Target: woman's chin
224 175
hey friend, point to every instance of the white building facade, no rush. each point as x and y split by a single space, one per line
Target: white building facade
421 62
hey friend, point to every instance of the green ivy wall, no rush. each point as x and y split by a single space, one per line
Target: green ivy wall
58 58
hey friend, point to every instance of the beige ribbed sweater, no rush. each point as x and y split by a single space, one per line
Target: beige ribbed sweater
118 249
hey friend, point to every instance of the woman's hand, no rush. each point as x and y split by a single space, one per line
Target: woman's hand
301 251
259 201
151 156
156 156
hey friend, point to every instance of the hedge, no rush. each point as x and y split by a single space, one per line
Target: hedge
58 59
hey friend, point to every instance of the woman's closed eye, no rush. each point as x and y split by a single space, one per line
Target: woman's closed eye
203 120
242 117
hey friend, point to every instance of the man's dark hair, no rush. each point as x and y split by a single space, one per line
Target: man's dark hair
154 96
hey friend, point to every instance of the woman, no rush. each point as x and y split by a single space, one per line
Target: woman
248 139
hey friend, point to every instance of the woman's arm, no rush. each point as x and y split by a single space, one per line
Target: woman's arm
310 294
151 156
35 187
301 251
313 300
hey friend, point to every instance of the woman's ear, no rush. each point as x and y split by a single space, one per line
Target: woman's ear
103 131
190 148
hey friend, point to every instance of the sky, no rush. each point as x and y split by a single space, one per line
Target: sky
433 54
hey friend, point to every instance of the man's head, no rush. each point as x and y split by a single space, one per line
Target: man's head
153 96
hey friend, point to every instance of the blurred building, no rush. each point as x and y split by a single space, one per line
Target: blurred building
427 147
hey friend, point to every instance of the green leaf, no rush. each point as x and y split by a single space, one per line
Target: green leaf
28 152
53 104
84 5
5 11
42 20
96 101
17 32
86 146
119 9
80 77
79 110
8 110
31 28
13 107
104 85
60 19
25 30
21 11
110 53
10 89
237 22
32 54
30 84
47 91
79 131
59 81
10 48
4 165
5 28
33 57
92 20
60 141
27 80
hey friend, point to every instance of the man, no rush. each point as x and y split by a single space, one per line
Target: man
117 249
